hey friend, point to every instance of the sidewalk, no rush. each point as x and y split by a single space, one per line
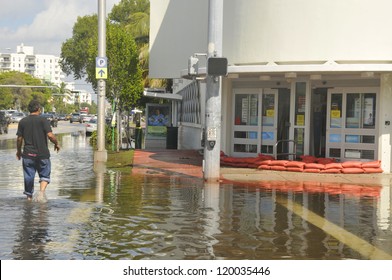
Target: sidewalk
189 163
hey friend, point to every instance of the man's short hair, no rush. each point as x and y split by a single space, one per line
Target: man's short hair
34 106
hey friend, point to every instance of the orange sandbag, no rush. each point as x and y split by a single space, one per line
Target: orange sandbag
372 170
295 169
264 162
314 166
331 170
352 164
352 170
278 168
372 164
278 162
312 170
334 165
264 167
296 164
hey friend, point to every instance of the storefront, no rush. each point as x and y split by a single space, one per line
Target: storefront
335 122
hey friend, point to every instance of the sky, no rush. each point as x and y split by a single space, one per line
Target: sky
43 24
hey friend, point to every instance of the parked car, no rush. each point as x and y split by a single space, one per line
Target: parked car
87 118
91 126
62 117
75 117
4 122
51 119
17 116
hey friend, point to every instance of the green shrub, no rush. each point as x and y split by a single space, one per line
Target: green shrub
108 137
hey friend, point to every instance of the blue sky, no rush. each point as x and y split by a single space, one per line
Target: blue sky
43 24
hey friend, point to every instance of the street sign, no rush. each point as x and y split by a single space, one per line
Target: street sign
101 62
101 68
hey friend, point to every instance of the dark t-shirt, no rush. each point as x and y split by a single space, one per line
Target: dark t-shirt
34 129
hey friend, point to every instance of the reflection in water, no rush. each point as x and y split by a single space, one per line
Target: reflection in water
108 214
33 233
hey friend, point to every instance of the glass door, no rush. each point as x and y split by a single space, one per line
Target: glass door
299 117
269 118
351 125
246 127
255 122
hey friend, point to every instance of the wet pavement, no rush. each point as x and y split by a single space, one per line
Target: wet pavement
162 209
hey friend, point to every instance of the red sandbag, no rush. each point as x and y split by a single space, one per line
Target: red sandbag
308 159
314 166
331 170
372 164
352 164
325 160
352 170
372 170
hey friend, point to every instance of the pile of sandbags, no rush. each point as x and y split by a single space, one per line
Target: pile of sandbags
307 164
249 162
348 167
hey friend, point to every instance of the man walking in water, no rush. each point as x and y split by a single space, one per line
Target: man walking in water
35 131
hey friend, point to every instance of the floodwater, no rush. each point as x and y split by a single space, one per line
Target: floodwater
116 215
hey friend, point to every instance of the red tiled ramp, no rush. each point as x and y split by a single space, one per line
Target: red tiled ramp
168 162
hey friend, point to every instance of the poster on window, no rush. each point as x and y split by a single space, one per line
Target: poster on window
158 119
368 112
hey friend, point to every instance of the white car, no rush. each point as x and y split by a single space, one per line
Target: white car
17 116
91 126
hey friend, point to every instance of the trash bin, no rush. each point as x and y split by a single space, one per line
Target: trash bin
138 138
171 137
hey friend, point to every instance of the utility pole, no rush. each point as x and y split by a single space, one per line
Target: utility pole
101 73
211 162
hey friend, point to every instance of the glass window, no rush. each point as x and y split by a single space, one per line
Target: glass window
361 110
353 110
300 103
336 110
369 110
268 109
245 134
246 107
245 148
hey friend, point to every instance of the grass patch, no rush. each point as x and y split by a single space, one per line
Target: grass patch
121 160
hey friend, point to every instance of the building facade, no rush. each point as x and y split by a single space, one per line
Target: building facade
309 77
41 66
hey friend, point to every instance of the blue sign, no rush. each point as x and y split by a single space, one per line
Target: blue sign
101 62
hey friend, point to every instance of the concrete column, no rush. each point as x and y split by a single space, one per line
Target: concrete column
385 122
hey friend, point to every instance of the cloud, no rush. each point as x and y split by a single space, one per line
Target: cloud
50 25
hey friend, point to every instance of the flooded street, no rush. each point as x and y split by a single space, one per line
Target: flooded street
119 215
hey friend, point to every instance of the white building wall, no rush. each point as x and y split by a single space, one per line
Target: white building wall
178 29
260 31
271 31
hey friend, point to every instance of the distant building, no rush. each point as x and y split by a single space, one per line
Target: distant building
41 66
75 96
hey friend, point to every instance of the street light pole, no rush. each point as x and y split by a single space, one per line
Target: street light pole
101 154
212 146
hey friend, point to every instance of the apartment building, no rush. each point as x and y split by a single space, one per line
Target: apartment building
41 66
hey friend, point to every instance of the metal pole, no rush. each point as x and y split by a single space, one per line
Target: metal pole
213 98
101 154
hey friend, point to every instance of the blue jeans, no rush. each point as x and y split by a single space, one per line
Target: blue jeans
30 167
